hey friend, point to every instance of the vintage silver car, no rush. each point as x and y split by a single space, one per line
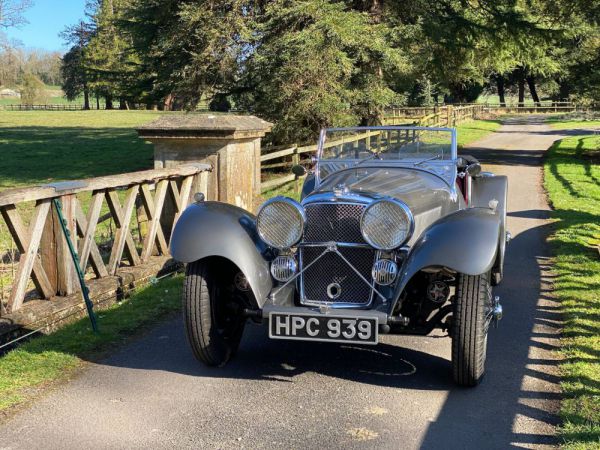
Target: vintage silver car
394 233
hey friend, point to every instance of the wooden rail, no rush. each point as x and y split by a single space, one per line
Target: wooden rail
152 199
296 152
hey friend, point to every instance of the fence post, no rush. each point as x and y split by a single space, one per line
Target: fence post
54 249
450 116
295 162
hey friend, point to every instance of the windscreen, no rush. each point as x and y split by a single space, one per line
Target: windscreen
390 144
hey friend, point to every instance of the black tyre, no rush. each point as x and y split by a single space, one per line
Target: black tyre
470 323
213 318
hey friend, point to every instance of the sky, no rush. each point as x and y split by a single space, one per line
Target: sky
47 18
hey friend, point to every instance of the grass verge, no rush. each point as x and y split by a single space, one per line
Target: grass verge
561 124
474 130
55 357
572 179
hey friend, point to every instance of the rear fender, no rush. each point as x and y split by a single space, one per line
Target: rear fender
465 242
219 229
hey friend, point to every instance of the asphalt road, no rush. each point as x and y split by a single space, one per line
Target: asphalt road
277 394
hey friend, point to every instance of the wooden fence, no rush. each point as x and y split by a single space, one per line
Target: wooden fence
57 107
511 107
152 199
295 155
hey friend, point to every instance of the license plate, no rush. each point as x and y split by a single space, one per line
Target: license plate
308 327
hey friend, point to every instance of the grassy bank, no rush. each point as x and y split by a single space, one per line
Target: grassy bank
54 358
572 179
560 124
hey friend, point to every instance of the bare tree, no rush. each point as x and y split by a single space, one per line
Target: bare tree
11 12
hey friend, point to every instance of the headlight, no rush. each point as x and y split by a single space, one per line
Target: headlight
386 224
283 268
280 222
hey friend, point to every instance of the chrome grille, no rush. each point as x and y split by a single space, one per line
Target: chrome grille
335 222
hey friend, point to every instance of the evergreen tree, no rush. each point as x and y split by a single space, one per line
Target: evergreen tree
317 63
74 72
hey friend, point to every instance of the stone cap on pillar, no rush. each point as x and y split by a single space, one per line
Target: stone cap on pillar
205 126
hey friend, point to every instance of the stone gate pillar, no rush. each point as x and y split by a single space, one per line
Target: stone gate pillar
230 143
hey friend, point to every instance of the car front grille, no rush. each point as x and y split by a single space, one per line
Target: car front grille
335 222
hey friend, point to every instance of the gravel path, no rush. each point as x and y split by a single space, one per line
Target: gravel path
153 394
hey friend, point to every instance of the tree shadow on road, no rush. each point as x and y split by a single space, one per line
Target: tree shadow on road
521 386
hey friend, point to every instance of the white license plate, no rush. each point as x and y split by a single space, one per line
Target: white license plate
309 327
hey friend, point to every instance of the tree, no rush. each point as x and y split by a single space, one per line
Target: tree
11 12
318 63
73 70
74 79
186 48
33 90
110 59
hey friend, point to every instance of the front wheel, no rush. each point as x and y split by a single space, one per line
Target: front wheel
212 316
472 317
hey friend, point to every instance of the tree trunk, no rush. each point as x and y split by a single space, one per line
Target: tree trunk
98 102
521 92
86 98
564 91
500 84
109 102
376 10
122 103
533 90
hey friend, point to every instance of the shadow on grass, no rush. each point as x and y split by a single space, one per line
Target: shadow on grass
576 197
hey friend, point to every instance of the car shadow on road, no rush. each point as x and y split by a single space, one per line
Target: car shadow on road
388 364
521 385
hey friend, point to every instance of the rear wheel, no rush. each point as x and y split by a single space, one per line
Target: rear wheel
212 314
471 320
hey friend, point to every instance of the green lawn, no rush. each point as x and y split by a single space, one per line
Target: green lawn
26 370
54 96
560 124
44 146
474 130
572 178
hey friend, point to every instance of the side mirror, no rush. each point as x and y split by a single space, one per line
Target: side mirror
298 170
473 169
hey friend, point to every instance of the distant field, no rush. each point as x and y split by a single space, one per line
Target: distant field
55 96
40 147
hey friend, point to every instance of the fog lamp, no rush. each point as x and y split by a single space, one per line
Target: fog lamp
384 271
283 268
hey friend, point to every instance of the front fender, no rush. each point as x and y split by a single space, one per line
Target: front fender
219 229
465 241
